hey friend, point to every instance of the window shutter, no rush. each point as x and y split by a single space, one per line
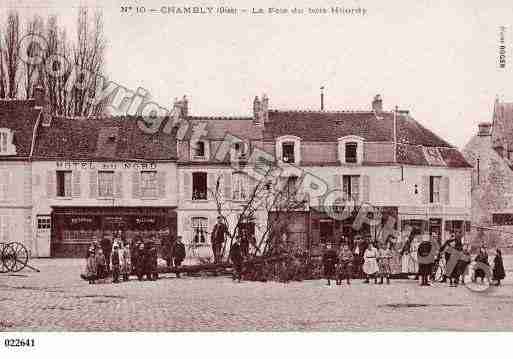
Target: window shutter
211 184
5 229
75 192
227 185
425 189
355 188
187 185
136 188
446 190
186 223
118 184
50 183
161 183
93 184
337 182
365 195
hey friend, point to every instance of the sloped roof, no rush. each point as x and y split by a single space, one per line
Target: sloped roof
417 145
329 126
218 127
102 138
19 116
502 130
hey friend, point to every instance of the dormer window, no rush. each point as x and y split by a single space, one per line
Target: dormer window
6 139
199 150
240 151
350 149
351 153
288 149
288 152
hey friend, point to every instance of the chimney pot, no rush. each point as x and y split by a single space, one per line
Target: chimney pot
377 103
484 129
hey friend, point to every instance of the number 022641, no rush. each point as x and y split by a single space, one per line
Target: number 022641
19 342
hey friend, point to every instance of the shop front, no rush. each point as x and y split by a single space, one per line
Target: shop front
75 227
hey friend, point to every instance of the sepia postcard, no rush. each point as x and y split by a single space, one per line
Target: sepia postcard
255 166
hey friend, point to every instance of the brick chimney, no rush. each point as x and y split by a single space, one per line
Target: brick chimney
377 104
260 110
182 106
484 129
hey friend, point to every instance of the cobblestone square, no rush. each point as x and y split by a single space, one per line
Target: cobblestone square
58 300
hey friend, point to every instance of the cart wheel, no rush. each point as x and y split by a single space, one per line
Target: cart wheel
15 256
3 268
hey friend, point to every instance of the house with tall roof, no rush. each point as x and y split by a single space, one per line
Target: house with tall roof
211 156
385 159
93 177
490 152
18 122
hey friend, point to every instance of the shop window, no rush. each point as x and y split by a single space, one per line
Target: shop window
148 184
326 231
288 152
4 140
351 187
199 229
106 183
199 186
351 153
240 192
63 183
43 222
434 189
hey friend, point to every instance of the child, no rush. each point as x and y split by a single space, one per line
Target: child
498 268
114 260
329 259
370 266
385 255
90 271
345 261
125 265
101 264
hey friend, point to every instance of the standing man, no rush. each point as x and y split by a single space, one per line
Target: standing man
167 245
236 258
179 254
106 245
426 257
217 238
329 260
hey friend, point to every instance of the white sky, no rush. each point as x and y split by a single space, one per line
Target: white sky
437 60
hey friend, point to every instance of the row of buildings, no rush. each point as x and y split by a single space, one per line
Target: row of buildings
64 181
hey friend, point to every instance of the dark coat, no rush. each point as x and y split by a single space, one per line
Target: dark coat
329 259
235 254
426 263
498 268
106 245
179 251
218 232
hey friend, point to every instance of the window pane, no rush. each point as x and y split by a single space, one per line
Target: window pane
351 152
199 186
149 183
239 187
105 183
199 228
288 152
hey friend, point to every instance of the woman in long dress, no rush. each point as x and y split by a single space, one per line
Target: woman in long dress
370 265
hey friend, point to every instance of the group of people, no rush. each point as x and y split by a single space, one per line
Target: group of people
376 262
120 259
380 260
